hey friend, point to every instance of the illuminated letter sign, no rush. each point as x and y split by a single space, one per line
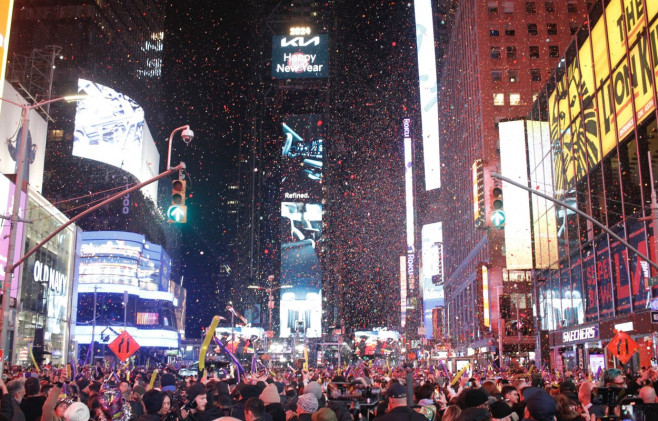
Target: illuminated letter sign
581 334
299 42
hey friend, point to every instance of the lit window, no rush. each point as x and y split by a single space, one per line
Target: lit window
551 28
495 52
513 75
508 7
515 99
496 75
535 96
494 32
499 98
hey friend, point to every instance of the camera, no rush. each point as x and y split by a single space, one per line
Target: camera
355 392
187 135
608 396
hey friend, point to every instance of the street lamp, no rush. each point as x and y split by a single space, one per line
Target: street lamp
187 136
270 300
21 167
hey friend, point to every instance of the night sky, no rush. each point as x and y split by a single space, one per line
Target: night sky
210 71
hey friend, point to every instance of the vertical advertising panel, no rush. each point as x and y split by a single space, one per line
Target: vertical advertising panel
431 272
615 28
642 83
634 16
620 275
301 225
486 317
577 297
429 113
600 51
403 291
604 278
410 206
639 268
589 284
513 165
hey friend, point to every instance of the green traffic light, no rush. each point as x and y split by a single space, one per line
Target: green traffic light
498 218
177 214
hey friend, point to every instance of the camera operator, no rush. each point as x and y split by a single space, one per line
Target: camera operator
397 406
153 403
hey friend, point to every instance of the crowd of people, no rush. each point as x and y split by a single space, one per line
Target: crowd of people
359 391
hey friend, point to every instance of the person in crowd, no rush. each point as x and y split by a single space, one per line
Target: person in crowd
77 411
476 405
613 377
13 394
585 397
324 414
166 404
500 411
32 403
153 403
254 410
272 401
397 409
246 392
540 405
197 401
451 413
307 404
566 410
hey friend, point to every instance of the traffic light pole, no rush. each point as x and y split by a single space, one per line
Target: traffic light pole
579 212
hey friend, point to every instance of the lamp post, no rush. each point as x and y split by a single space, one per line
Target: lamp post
21 166
270 300
187 136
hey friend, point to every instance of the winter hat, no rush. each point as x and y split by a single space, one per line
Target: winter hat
308 402
194 390
250 391
168 380
270 395
500 409
540 404
77 411
475 397
324 414
314 388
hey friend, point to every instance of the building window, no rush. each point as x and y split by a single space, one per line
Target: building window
572 7
509 30
534 51
553 51
492 6
496 75
531 7
495 52
535 96
498 98
532 29
535 75
508 7
551 28
514 99
513 75
550 6
511 52
573 28
494 32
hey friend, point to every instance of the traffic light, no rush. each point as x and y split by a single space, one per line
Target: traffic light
497 217
177 212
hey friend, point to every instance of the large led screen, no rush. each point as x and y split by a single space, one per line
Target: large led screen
301 226
110 128
431 272
300 57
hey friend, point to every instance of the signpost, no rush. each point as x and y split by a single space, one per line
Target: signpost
623 347
124 346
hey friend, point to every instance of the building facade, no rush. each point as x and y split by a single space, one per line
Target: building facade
592 143
500 53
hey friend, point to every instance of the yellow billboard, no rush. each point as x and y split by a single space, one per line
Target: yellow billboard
6 8
615 33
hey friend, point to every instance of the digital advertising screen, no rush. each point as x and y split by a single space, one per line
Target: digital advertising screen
296 57
301 225
431 272
379 342
110 128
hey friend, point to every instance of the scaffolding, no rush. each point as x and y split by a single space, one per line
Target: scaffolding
32 75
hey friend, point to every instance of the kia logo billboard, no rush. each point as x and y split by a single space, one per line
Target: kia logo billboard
300 57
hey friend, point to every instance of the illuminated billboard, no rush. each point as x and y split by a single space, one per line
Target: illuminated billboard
378 342
431 272
301 225
410 207
11 120
119 260
590 108
6 9
295 57
429 112
110 128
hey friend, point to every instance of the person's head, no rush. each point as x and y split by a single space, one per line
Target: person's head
32 386
125 389
540 405
564 408
520 382
423 392
254 409
94 387
153 401
451 413
491 387
61 406
397 395
307 404
648 394
197 392
510 394
500 410
476 398
270 395
166 403
77 411
16 390
613 377
585 392
324 414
